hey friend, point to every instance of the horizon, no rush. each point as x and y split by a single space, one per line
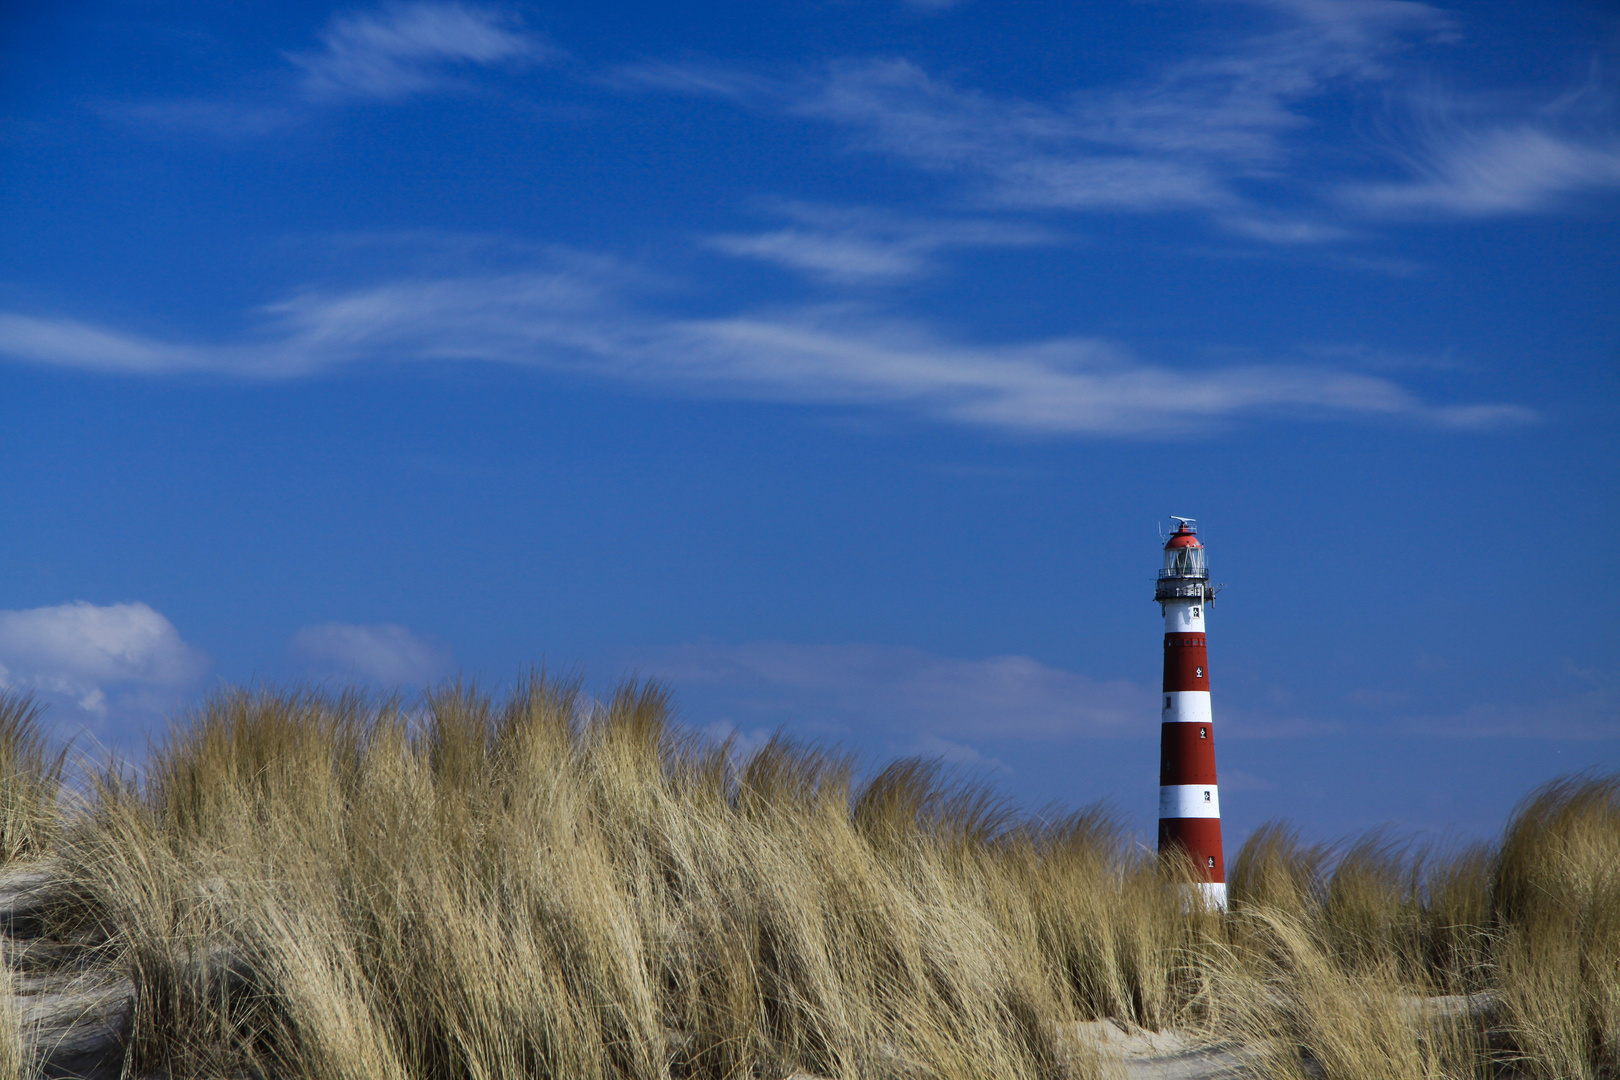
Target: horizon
837 366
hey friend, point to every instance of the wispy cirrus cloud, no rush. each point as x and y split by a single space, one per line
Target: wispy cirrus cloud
1020 154
1187 138
728 81
1231 134
1492 171
402 49
575 315
381 54
1283 229
862 245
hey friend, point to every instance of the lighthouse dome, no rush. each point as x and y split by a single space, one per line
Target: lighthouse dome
1183 554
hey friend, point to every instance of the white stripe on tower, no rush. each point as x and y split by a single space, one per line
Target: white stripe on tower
1189 800
1186 707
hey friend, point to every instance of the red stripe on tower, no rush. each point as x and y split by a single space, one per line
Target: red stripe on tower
1189 800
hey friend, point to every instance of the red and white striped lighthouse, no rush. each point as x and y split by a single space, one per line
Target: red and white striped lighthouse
1189 800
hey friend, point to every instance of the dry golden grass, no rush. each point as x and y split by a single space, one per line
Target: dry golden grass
1557 905
30 780
1389 963
14 1064
304 885
30 784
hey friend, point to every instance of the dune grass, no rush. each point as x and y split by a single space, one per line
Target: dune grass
308 885
30 785
30 779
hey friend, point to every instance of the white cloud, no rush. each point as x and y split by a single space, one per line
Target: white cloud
83 652
1285 231
1365 24
571 315
1228 133
383 54
830 256
1184 139
861 245
386 654
407 48
914 695
696 80
1503 170
67 343
1028 155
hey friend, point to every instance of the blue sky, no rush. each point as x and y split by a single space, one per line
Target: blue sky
837 364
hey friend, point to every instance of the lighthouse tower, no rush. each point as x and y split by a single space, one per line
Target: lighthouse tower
1189 801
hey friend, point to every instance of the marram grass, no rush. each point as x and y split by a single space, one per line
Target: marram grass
307 885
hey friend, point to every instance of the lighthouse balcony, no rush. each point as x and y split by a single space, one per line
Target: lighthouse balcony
1185 588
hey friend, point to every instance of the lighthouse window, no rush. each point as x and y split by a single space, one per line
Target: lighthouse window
1212 862
1167 701
1203 733
1195 613
1198 672
1188 561
1206 796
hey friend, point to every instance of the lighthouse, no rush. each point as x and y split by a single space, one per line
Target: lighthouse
1189 800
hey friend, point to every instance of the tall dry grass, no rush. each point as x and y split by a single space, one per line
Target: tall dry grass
30 786
15 1061
1382 961
307 885
1556 900
30 779
538 887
